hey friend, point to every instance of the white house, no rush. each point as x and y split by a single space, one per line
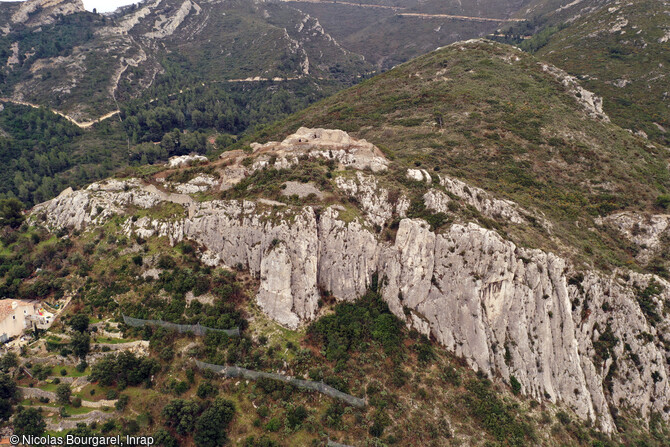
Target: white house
17 316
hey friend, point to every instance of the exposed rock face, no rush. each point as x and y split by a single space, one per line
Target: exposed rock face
186 160
320 143
130 20
590 102
373 200
43 12
289 273
504 309
482 201
419 175
345 251
644 231
436 200
168 25
199 183
507 311
78 209
276 245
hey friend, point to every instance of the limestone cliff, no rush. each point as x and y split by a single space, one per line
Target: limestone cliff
508 311
592 340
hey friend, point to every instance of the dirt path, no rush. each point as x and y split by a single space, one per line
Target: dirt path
83 124
407 14
453 17
360 5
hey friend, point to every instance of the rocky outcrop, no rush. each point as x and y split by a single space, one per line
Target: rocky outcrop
419 175
579 338
287 272
512 312
166 26
373 200
644 231
318 143
275 244
186 160
130 20
44 12
95 204
589 101
199 183
482 201
508 311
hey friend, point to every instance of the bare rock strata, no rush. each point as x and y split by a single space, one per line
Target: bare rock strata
508 311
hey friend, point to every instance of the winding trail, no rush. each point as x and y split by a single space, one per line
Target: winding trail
454 17
360 5
83 124
395 9
87 124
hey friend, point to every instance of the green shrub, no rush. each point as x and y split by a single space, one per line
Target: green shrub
498 419
125 369
206 389
273 424
63 393
122 403
108 426
663 201
295 416
180 414
563 417
211 426
349 328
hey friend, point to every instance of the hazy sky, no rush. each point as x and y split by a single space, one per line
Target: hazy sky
103 5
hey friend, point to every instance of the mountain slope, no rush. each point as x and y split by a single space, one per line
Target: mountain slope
394 33
508 122
621 52
84 64
158 67
488 208
617 49
66 65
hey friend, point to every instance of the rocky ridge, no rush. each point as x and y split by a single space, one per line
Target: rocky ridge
44 12
320 143
591 340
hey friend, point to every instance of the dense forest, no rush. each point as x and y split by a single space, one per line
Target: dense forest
34 147
44 153
179 99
